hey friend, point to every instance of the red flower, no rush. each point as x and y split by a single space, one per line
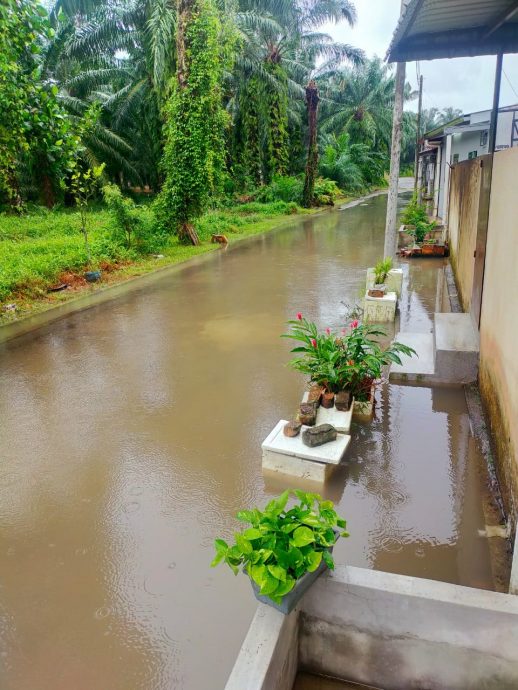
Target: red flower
328 331
299 316
351 363
354 324
313 342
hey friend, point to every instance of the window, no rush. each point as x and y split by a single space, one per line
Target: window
472 154
483 138
455 158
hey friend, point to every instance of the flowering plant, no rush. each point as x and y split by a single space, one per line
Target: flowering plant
350 361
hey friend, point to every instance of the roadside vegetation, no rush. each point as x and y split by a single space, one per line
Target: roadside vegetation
131 130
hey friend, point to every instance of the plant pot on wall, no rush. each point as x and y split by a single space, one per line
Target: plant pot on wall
378 291
304 535
428 249
290 600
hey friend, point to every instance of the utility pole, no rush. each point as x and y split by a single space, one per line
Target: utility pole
395 156
418 135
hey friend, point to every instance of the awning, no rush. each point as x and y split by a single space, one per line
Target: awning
431 29
476 127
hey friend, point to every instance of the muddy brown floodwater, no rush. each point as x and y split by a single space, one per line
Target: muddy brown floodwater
130 436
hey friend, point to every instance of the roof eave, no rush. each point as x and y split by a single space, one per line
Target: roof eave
452 44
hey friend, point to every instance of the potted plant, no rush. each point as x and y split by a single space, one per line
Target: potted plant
381 271
351 361
285 549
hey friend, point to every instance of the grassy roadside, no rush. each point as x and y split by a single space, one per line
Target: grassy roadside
44 249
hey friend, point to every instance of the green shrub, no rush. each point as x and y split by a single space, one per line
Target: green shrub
414 213
326 191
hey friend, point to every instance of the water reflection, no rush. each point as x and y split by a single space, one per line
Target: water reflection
131 436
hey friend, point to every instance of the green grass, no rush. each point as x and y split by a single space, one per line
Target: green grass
36 248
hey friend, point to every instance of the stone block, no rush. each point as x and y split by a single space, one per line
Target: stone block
308 413
319 435
380 309
292 429
340 420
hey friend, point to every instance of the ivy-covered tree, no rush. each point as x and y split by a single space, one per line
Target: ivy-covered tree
194 154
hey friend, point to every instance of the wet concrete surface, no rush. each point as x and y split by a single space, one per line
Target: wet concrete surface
130 436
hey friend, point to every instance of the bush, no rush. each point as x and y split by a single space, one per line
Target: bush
281 188
414 213
289 190
326 191
131 225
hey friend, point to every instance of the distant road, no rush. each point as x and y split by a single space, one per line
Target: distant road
406 184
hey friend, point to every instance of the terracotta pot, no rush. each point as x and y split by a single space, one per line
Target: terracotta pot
428 249
315 394
439 249
343 401
328 400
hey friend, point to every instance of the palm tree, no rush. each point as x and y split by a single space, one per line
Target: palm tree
279 55
359 101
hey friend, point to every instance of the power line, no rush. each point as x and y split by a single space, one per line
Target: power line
510 83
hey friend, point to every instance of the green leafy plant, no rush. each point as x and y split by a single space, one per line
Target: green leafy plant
283 543
381 270
422 229
127 222
350 361
414 213
84 184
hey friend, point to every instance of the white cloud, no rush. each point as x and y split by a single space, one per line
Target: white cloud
464 83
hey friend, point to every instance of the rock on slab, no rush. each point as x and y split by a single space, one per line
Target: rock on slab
318 435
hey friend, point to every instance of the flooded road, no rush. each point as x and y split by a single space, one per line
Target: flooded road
130 436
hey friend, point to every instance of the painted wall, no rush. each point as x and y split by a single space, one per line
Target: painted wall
462 224
402 633
499 324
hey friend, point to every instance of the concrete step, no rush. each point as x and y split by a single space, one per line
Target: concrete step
414 369
456 349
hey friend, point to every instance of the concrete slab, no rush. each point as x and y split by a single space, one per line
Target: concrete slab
291 466
340 420
455 332
456 349
328 454
415 369
380 309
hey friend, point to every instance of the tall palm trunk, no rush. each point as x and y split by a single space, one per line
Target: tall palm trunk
185 10
312 100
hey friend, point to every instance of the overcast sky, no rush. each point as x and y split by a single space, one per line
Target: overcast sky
464 83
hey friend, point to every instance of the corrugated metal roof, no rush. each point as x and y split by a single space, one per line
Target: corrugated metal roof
431 29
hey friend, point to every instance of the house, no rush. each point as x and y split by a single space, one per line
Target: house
462 139
482 208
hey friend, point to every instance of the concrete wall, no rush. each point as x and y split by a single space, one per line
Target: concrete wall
465 185
268 659
402 633
499 324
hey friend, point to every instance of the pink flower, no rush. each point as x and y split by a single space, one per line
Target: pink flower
354 324
343 331
299 316
313 342
328 331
